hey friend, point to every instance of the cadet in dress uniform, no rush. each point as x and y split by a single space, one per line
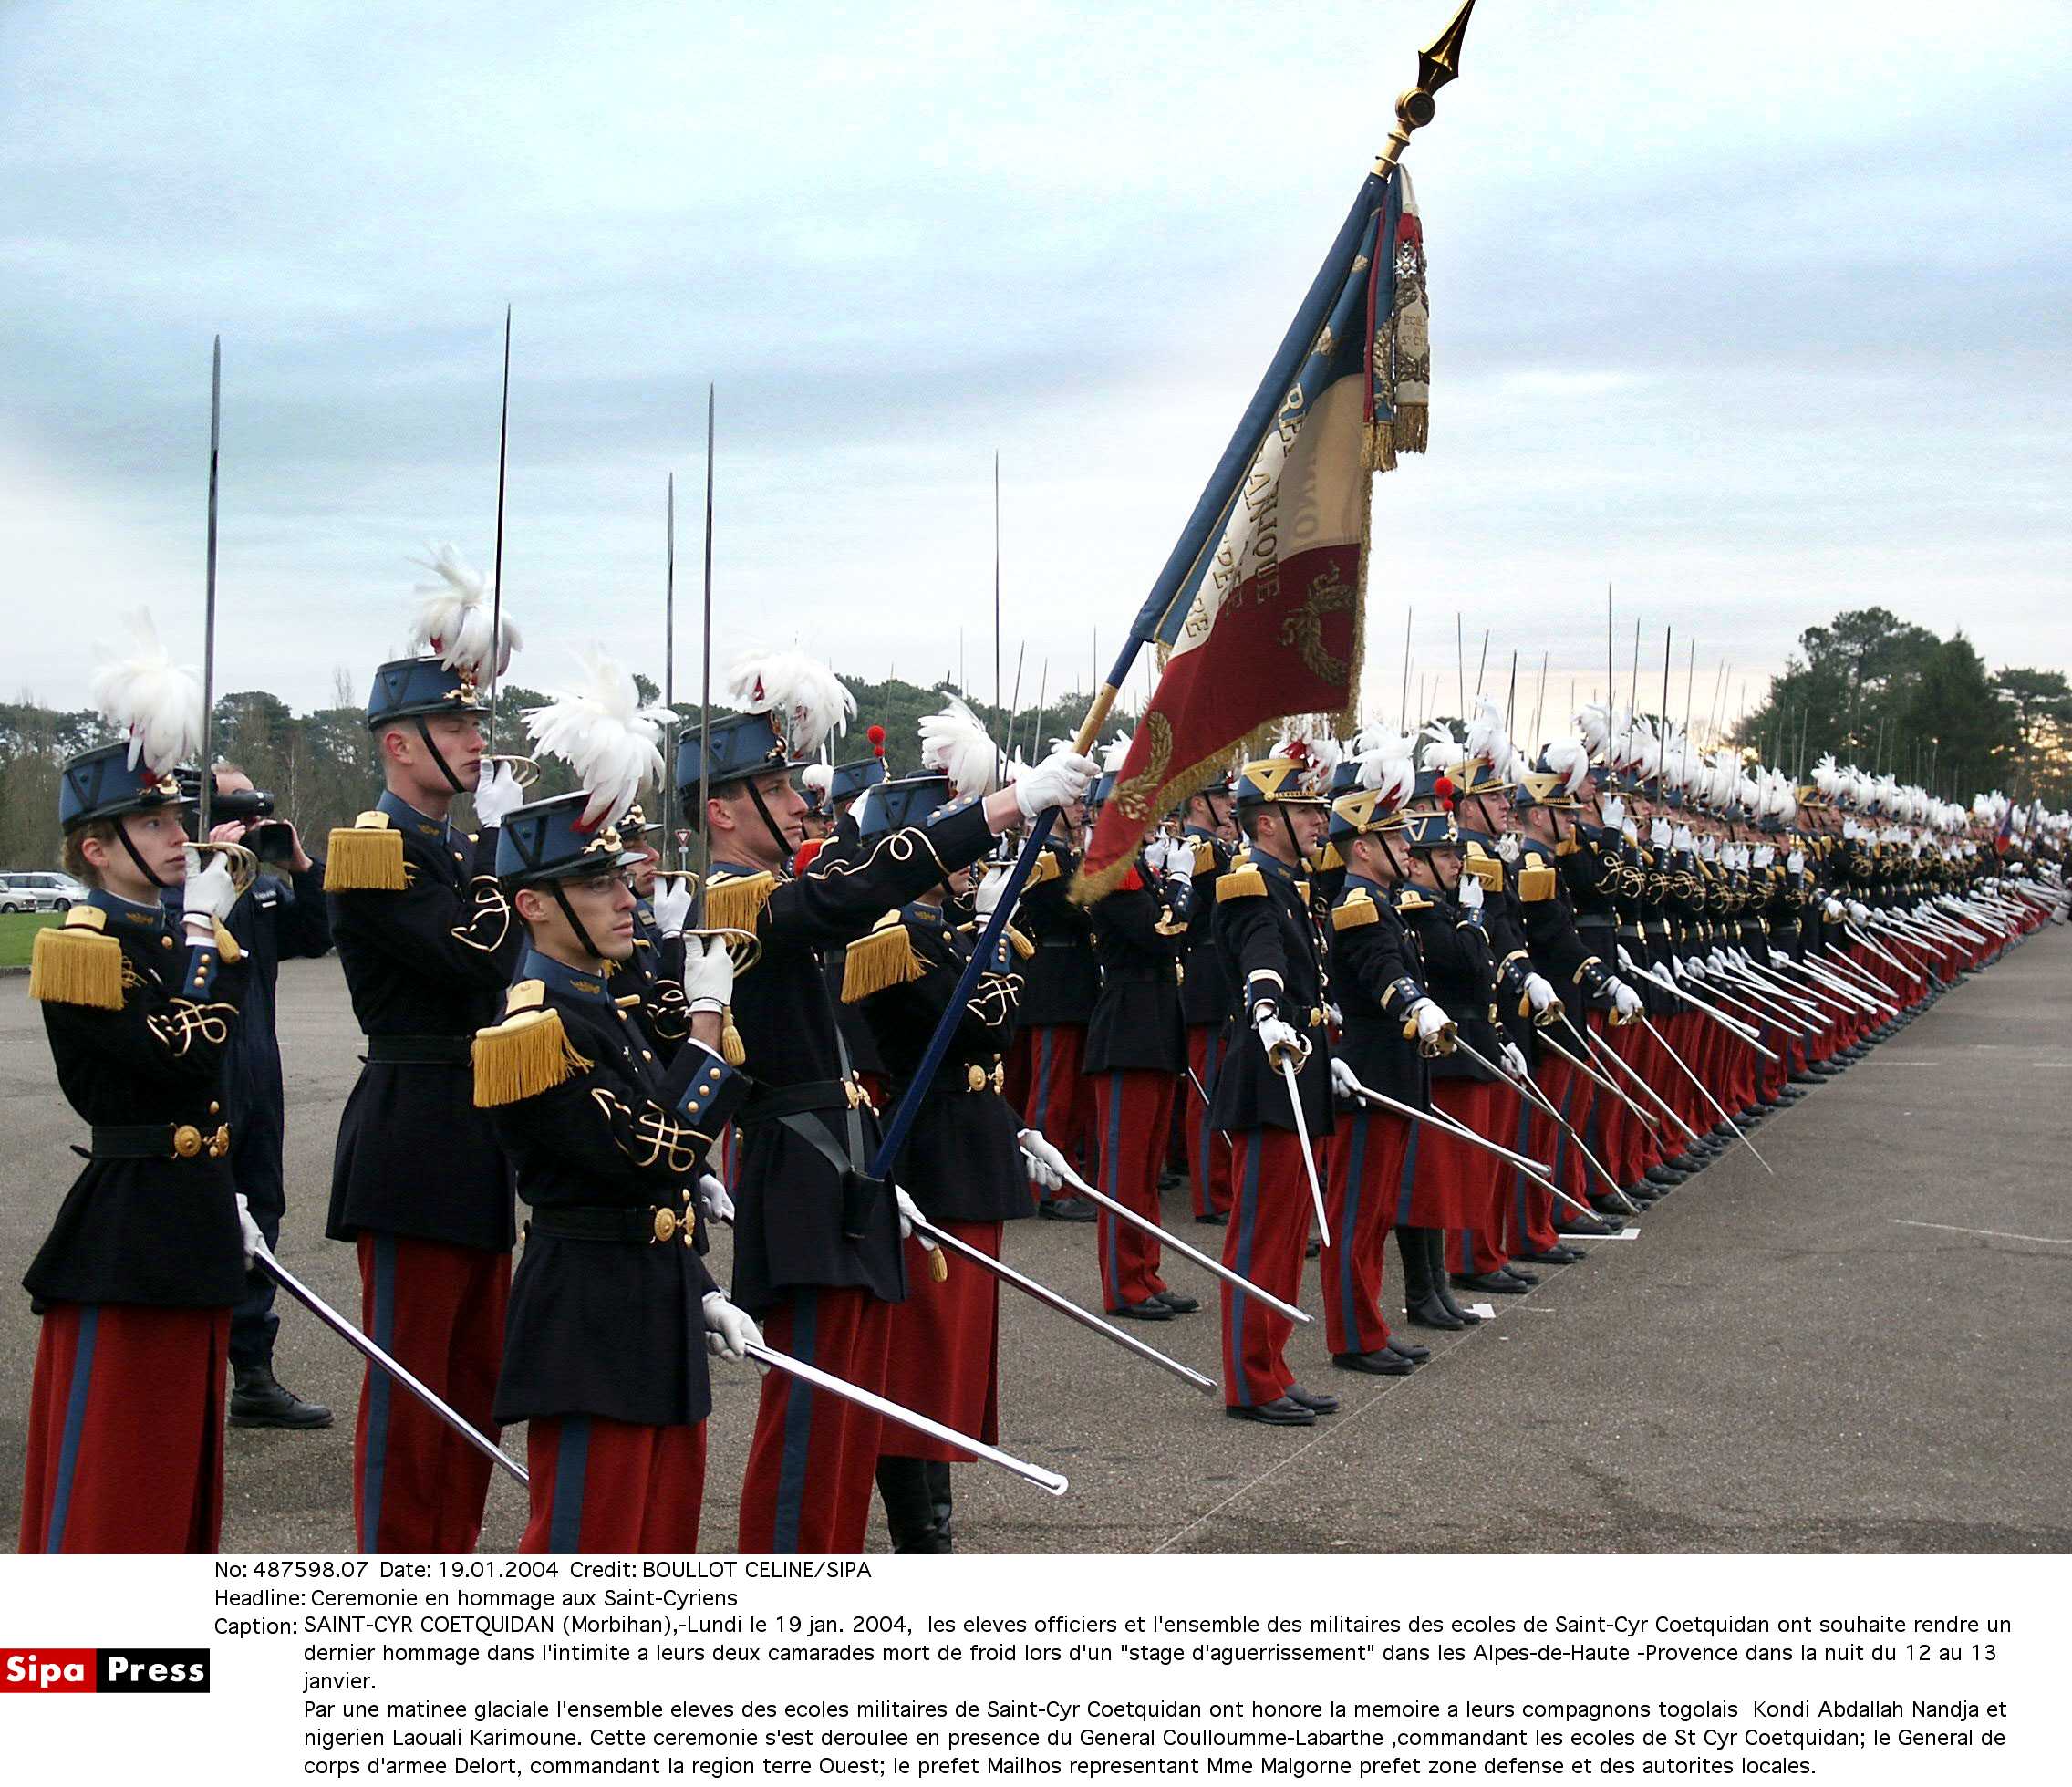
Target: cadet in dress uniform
1388 1024
418 1184
608 1131
1267 934
136 1281
282 915
816 1238
1137 1051
1205 998
962 1164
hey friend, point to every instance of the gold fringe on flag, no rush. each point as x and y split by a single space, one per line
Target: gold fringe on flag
885 958
76 964
521 1057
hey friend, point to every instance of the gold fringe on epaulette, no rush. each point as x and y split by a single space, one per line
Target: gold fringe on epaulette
885 958
521 1057
1019 944
363 860
73 965
736 904
1046 870
1354 913
1246 883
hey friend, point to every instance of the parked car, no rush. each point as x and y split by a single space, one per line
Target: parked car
38 890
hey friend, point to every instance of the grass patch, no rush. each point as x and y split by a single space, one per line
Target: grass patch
18 935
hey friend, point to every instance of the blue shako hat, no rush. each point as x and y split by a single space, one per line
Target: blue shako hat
744 745
544 841
892 805
100 784
850 780
413 688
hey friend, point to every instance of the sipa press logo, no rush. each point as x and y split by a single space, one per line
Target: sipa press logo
123 1671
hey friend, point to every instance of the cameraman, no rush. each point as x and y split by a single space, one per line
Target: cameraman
282 915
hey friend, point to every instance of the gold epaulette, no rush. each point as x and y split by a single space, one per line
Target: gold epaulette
735 902
1485 868
1354 911
1047 868
1204 855
366 856
886 958
1240 883
1410 900
1536 883
78 964
527 1053
1019 944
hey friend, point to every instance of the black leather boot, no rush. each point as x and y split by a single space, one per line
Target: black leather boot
909 1509
939 1500
1423 1307
257 1399
1435 1263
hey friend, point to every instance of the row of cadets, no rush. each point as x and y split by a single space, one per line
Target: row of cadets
1135 1056
817 1255
419 1185
963 1161
1210 831
139 991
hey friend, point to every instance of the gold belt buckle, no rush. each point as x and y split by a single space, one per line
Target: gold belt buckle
665 1224
186 1141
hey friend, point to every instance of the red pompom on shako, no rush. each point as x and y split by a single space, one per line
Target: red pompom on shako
876 736
1443 789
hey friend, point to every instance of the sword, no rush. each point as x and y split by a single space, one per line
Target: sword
1583 1067
1884 955
1707 1092
263 1256
1309 1158
904 1417
1612 1056
496 571
208 787
1202 1093
1718 1016
1165 1237
1064 1305
1532 1096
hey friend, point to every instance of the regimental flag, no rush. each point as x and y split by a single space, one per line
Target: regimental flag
1258 613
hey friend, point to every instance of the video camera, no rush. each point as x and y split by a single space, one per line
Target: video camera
272 842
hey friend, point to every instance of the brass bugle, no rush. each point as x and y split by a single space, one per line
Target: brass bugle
523 770
243 864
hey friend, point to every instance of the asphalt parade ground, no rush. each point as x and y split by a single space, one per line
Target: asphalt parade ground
1868 1352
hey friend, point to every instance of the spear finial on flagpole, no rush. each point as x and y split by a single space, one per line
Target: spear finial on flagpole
1437 62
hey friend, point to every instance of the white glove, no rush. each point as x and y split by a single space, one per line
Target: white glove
496 794
208 895
728 1331
671 905
248 1231
909 1214
1615 811
1850 829
1047 1166
1343 1080
715 1199
1659 833
1470 893
708 975
1708 847
1796 862
1694 970
1859 911
990 891
1514 1061
1833 910
1059 780
1432 1025
1625 1002
1630 831
1765 856
1539 990
1683 839
1280 1039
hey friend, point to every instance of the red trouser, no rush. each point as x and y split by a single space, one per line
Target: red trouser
1269 1230
437 1309
126 1429
1135 1110
1060 1102
1208 1149
1531 1219
945 1354
812 1464
1368 1158
600 1485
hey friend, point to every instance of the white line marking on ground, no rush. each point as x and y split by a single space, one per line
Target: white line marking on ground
1991 1234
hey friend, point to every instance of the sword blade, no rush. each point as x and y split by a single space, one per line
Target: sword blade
1706 1092
1612 1057
1308 1156
208 788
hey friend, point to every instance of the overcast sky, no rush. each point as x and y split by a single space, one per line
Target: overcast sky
1756 312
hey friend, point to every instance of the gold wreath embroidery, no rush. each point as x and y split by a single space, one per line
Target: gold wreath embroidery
1304 629
1135 796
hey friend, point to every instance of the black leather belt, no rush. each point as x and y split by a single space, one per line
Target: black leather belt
651 1227
419 1051
158 1141
779 1103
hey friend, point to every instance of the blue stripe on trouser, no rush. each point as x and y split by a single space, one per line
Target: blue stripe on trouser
1111 1182
1234 1336
1518 1180
384 1336
571 1466
1040 1116
798 1427
1204 1164
1406 1179
1349 1311
75 1422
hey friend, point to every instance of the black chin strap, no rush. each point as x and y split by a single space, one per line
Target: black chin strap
574 923
143 867
452 781
769 825
1288 826
1401 869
